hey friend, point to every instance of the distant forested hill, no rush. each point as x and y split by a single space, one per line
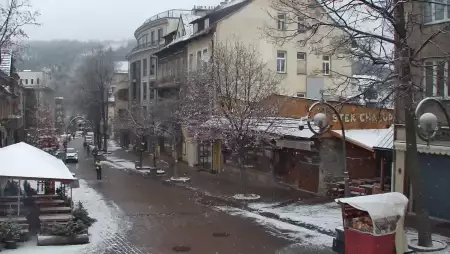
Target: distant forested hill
65 53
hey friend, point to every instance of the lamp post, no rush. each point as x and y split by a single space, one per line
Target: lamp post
428 122
322 122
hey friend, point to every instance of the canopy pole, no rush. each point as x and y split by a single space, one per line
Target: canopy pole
71 197
18 200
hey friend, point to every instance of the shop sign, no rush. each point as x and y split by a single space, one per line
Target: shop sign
365 118
294 144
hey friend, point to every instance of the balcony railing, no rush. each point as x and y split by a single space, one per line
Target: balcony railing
175 13
149 45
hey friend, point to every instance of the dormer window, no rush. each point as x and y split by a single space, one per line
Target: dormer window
206 23
195 27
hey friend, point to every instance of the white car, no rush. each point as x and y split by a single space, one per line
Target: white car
71 155
89 140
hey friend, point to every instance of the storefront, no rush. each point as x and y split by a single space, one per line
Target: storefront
434 171
205 155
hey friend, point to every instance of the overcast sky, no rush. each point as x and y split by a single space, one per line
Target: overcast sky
99 19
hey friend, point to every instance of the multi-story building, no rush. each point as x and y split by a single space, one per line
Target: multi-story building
150 37
118 101
39 102
304 73
59 115
11 102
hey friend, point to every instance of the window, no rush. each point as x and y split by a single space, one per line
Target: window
326 65
281 62
152 94
37 81
152 37
144 90
134 91
301 95
31 81
199 58
152 66
301 63
205 58
436 11
281 21
26 81
195 28
436 78
144 67
206 23
160 35
191 61
301 25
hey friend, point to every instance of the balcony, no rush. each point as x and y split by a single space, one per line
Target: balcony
149 45
175 13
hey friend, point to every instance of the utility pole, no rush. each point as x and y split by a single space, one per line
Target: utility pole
406 93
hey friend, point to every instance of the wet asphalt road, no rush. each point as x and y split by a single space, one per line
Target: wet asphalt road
163 217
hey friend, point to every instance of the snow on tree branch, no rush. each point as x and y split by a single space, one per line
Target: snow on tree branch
14 16
361 31
224 98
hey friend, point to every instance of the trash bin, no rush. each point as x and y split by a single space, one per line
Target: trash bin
339 241
370 222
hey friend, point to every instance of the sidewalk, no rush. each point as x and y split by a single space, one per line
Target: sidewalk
217 185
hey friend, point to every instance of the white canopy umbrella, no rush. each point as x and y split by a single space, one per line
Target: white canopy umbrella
23 161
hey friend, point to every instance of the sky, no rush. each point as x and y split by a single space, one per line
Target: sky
99 19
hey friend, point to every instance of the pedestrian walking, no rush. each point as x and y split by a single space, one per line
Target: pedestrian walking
98 169
88 150
95 152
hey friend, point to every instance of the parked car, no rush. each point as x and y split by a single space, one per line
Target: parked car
60 154
72 155
89 140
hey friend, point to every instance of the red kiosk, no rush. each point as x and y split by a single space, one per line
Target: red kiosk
370 222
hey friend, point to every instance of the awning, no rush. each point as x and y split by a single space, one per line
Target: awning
379 206
23 161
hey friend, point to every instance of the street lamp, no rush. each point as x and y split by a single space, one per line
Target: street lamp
322 122
428 122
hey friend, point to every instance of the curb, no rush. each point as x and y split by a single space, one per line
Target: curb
220 200
131 170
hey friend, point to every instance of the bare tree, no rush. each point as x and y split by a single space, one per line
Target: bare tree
147 123
96 76
43 122
223 99
384 36
14 16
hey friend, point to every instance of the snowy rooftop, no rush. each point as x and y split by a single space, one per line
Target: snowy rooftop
386 141
121 66
279 126
367 138
188 28
187 19
38 164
